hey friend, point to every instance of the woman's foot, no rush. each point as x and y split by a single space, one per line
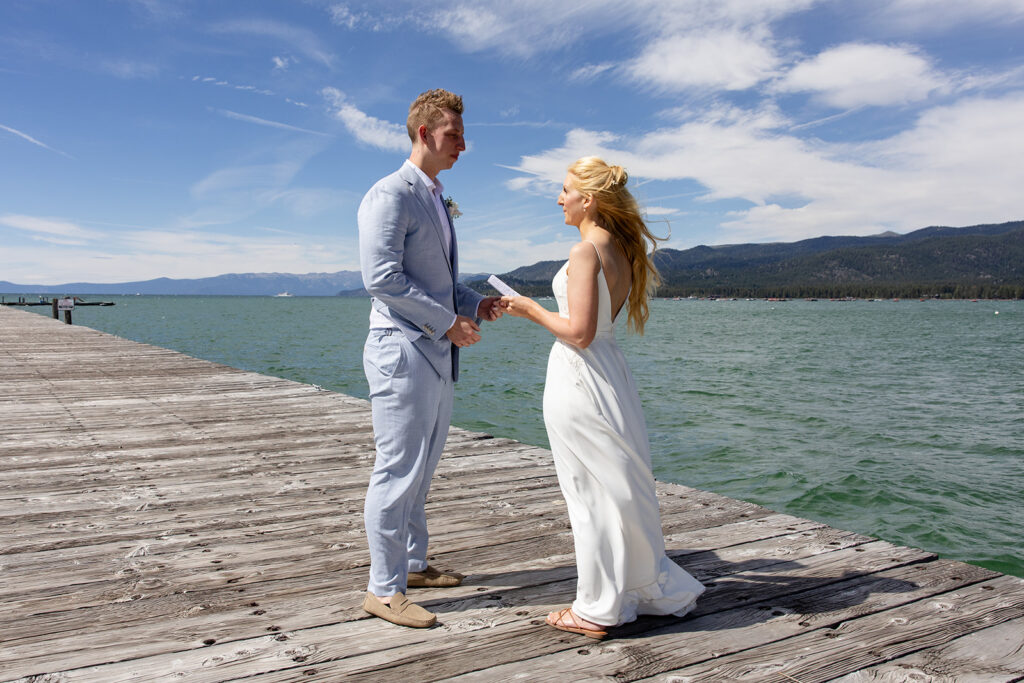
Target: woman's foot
566 620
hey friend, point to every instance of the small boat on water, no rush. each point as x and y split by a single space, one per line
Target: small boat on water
284 294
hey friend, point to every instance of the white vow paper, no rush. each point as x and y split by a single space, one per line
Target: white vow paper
497 283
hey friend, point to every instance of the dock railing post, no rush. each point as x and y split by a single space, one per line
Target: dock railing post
56 315
65 304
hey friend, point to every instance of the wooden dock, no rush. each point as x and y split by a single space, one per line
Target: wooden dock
166 518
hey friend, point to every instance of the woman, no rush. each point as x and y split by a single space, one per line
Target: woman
592 411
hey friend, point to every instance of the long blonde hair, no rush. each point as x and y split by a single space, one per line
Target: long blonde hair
619 213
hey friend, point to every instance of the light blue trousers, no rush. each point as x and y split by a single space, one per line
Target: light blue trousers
412 411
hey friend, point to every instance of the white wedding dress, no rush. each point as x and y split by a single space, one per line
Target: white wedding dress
602 456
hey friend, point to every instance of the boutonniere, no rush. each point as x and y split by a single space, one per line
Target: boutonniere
453 207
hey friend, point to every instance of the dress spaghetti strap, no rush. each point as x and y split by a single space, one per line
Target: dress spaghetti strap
599 259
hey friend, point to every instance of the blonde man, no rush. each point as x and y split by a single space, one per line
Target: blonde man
421 316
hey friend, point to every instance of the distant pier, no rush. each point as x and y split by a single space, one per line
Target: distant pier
168 518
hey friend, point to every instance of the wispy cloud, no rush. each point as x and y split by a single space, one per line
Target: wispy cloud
367 129
591 71
518 124
145 254
660 210
29 138
129 69
300 40
943 14
265 122
212 80
48 229
342 15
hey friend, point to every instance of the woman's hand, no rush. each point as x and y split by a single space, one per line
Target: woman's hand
519 306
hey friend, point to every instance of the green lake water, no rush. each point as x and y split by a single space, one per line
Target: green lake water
901 420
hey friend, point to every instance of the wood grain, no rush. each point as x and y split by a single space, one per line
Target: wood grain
167 518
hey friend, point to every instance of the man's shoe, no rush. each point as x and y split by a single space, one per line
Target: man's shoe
400 611
432 578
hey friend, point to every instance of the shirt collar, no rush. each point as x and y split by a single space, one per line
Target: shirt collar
434 186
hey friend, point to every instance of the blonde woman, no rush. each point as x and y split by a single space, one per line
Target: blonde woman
593 415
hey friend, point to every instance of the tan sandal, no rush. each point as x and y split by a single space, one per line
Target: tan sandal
558 620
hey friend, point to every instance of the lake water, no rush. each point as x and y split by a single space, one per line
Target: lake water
902 420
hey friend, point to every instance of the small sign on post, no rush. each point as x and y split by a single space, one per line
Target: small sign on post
67 304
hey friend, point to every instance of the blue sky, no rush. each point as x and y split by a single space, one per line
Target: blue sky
186 138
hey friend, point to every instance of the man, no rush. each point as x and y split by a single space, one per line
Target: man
420 317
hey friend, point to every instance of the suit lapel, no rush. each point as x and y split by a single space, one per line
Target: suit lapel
427 204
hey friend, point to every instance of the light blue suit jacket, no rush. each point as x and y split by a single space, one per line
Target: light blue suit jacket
406 267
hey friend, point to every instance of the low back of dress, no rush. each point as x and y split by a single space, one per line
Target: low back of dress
560 287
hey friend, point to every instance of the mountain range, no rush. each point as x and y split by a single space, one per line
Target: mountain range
980 260
243 284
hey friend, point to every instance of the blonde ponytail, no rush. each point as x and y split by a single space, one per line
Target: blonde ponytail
619 213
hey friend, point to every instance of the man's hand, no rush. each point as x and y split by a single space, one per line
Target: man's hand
464 332
490 308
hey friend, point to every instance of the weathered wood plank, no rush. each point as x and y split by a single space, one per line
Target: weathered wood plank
163 517
742 630
992 655
514 600
866 641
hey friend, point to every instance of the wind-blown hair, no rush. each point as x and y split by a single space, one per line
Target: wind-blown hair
428 110
619 213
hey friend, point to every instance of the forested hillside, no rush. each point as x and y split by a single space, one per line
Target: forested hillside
982 261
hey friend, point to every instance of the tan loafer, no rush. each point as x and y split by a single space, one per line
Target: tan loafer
432 578
400 611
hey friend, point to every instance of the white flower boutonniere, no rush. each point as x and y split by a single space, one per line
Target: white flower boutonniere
453 207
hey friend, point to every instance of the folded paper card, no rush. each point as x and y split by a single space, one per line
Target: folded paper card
497 283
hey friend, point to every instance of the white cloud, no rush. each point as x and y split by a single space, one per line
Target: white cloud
958 164
547 170
859 74
341 15
282 63
728 60
385 135
526 28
